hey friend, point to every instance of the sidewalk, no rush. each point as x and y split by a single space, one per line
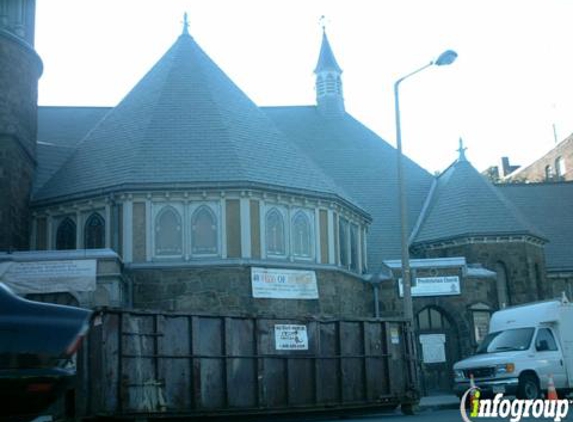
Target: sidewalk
439 402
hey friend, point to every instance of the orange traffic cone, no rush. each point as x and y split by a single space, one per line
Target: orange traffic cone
551 392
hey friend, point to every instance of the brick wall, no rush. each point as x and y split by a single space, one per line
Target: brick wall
536 171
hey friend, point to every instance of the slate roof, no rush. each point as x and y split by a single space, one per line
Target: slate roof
464 203
548 206
186 124
60 129
364 165
326 60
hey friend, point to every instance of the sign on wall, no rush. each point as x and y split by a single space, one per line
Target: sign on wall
291 337
433 286
52 276
283 284
433 348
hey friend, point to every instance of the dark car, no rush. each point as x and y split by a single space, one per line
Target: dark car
37 343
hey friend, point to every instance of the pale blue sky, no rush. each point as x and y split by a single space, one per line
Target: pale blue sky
510 84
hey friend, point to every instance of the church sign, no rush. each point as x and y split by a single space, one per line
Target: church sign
433 286
51 276
283 284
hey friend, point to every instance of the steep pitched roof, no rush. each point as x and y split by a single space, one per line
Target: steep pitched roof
548 206
186 123
464 203
326 60
362 163
60 129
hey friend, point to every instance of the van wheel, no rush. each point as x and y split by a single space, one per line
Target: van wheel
528 387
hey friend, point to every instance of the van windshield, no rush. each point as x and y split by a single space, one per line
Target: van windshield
506 341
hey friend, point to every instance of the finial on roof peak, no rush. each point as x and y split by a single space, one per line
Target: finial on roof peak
322 22
462 151
185 24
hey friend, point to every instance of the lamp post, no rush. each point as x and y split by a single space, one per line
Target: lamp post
446 58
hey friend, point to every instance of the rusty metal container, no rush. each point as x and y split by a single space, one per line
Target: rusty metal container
157 365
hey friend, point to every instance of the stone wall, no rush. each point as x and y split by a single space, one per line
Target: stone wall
20 69
227 290
525 283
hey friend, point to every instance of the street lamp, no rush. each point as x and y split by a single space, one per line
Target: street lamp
446 58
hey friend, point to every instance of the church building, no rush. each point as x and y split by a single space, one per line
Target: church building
187 196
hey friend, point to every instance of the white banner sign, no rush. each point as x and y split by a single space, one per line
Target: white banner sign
291 337
434 286
51 276
283 284
433 348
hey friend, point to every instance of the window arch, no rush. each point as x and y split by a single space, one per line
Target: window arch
503 295
301 235
275 233
168 232
204 231
66 234
94 232
432 318
548 172
560 168
343 241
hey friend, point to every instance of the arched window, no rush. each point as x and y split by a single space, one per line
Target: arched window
343 241
354 247
503 296
66 234
431 318
548 172
94 232
560 168
275 233
301 236
203 231
320 86
168 232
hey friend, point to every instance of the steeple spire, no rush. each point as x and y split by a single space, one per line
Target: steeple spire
328 83
185 24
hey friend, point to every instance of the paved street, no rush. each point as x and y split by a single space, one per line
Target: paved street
449 415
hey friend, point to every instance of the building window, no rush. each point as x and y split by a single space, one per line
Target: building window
548 172
94 232
481 324
431 319
168 232
343 240
204 231
354 247
301 236
503 296
66 234
560 168
275 233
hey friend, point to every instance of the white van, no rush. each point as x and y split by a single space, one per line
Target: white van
525 345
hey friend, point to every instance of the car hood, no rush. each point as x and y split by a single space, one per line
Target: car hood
488 359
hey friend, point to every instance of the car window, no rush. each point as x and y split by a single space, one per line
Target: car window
545 340
507 340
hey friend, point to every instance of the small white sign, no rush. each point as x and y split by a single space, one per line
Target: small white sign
52 276
283 284
291 337
394 335
433 286
433 348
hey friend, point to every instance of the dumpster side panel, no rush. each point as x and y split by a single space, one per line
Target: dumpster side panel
161 364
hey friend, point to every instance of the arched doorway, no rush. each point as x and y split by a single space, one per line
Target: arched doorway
438 350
